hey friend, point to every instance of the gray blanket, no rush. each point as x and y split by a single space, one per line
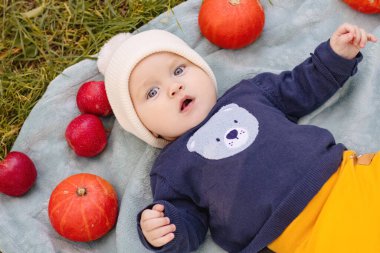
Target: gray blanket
292 30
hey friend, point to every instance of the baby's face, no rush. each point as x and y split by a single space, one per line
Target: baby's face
170 94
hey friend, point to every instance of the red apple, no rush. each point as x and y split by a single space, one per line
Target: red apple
17 174
86 135
92 98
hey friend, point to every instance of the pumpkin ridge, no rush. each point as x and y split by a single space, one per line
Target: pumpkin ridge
107 192
72 184
60 204
260 6
65 189
101 184
63 220
85 222
58 194
102 211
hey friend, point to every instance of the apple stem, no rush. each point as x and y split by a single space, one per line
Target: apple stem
81 191
234 2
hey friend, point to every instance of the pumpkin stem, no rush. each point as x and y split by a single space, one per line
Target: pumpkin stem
234 2
81 191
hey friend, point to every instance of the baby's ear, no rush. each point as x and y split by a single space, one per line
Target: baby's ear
191 144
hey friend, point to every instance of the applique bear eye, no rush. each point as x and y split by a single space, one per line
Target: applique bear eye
217 139
235 121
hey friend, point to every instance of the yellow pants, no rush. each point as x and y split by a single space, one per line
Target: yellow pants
345 214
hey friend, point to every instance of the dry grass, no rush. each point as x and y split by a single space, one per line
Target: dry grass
41 38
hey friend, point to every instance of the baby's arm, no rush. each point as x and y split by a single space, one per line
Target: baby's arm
306 87
156 228
348 39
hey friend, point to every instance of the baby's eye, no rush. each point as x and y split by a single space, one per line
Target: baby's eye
179 70
152 92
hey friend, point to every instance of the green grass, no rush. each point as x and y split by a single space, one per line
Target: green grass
39 39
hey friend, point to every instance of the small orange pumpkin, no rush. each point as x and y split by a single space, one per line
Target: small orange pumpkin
83 207
365 6
231 24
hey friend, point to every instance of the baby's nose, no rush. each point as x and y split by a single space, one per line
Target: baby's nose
175 89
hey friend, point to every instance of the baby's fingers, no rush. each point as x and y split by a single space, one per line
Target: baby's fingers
366 37
151 224
150 214
347 33
158 207
160 235
346 38
161 231
357 35
161 241
363 38
344 29
371 37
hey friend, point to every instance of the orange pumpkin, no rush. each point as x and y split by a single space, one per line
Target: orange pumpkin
231 24
365 6
83 207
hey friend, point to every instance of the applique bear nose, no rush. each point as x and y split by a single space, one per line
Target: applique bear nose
232 134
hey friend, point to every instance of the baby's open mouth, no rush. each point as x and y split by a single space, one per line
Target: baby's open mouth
185 103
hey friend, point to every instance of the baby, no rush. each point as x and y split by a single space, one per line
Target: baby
240 165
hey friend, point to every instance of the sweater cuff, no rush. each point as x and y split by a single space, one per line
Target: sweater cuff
336 63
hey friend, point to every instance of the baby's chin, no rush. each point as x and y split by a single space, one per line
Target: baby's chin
176 135
169 138
173 137
179 132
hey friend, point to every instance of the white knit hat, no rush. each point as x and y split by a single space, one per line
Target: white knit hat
120 55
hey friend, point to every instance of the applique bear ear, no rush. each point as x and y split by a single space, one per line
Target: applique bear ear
108 50
228 107
191 144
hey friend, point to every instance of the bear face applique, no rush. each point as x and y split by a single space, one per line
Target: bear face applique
229 131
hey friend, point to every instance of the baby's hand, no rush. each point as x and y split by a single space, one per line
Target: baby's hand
156 227
348 39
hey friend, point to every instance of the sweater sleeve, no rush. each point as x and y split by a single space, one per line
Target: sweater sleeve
310 84
190 220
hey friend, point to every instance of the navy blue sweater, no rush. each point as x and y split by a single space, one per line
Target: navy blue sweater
249 169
